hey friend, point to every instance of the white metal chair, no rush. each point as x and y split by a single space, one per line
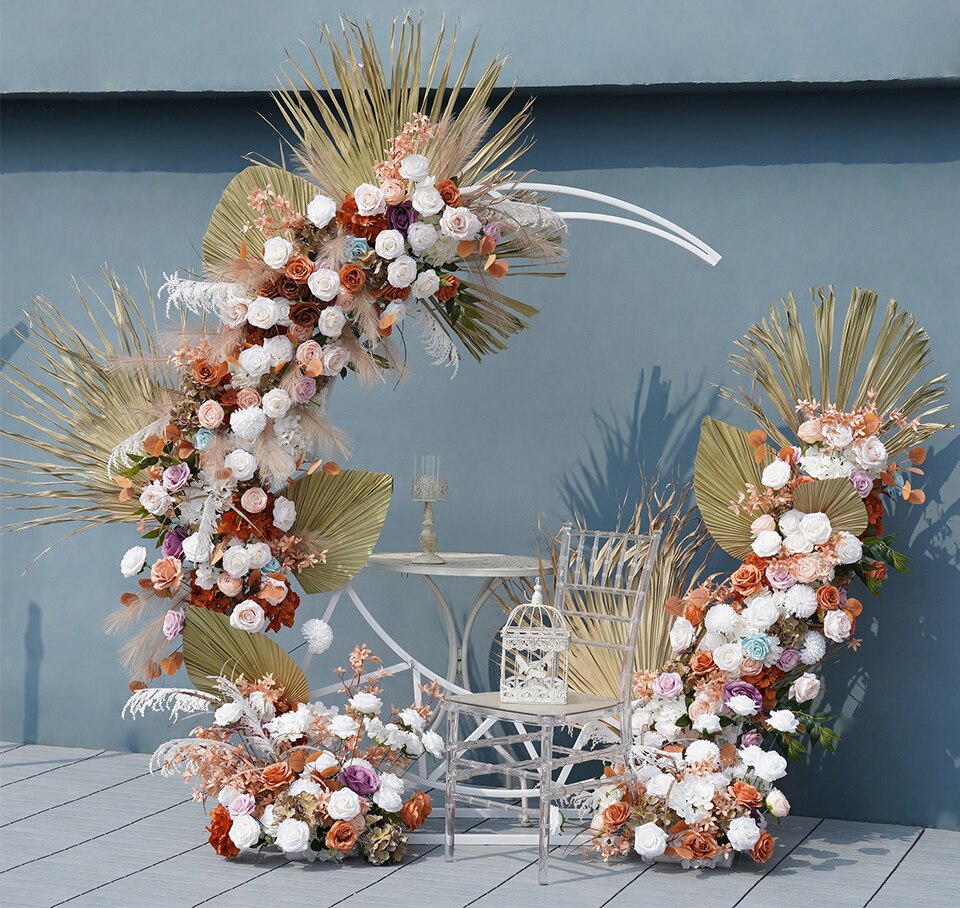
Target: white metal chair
595 571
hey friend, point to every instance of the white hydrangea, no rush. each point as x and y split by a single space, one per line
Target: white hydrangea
823 466
692 799
800 601
318 634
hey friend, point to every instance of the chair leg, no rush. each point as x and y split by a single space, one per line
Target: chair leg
450 796
546 792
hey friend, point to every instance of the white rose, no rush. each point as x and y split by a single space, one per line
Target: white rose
277 251
414 167
344 726
259 554
228 713
816 527
370 200
426 200
742 705
324 284
426 284
389 797
133 561
776 474
242 464
767 544
389 244
324 761
236 560
320 210
410 743
459 223
284 513
248 616
849 549
402 272
421 236
332 320
244 832
769 766
268 822
800 601
649 841
255 361
276 403
836 626
197 548
155 499
658 785
789 522
365 702
234 312
871 454
728 657
293 836
783 720
411 718
777 803
838 436
279 349
707 723
805 688
343 804
761 612
433 744
742 834
681 634
798 544
263 312
335 359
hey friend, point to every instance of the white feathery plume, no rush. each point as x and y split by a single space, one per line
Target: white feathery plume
120 456
253 732
436 342
198 296
176 701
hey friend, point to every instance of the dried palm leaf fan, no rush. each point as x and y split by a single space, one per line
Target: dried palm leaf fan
680 559
342 514
211 648
775 354
339 136
96 386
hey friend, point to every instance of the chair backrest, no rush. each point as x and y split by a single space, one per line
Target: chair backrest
601 584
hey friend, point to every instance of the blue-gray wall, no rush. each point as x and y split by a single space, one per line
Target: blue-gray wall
792 187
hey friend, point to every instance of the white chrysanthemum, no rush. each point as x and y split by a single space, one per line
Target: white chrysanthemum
721 619
801 601
248 424
814 648
318 634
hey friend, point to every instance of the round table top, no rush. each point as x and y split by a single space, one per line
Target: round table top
458 564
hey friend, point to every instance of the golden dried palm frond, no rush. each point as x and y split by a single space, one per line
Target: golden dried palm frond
774 354
838 499
681 558
77 406
212 648
343 514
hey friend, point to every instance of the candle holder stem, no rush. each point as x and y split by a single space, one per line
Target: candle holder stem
428 538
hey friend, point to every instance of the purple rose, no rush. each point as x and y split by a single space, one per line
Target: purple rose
173 542
304 389
844 596
492 230
669 686
172 623
243 805
176 477
788 659
401 216
861 482
751 739
780 578
742 689
360 779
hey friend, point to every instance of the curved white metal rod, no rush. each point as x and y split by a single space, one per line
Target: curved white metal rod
712 256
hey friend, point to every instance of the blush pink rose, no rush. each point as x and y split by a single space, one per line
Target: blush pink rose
806 569
307 352
393 191
210 414
253 501
248 397
229 586
810 431
763 524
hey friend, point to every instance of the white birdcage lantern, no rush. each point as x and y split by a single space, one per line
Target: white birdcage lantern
536 644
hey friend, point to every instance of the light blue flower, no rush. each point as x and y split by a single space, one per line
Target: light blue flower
756 646
357 247
201 441
271 567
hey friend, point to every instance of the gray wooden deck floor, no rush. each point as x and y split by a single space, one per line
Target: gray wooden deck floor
93 828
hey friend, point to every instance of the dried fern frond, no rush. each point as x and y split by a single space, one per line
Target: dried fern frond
774 354
81 406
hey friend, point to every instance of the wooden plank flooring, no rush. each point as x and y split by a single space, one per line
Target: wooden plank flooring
94 828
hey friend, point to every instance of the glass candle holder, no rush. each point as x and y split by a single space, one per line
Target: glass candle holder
428 486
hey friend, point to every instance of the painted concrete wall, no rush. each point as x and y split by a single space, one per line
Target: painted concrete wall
794 189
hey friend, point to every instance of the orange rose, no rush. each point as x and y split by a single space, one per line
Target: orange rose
166 573
208 374
276 776
248 397
449 193
219 830
702 662
746 579
693 613
878 571
616 815
415 812
828 598
763 850
341 836
352 278
299 268
744 793
699 845
449 287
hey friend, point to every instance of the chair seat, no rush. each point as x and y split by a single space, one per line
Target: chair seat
577 704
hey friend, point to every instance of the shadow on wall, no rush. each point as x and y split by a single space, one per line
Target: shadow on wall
656 435
33 648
